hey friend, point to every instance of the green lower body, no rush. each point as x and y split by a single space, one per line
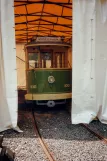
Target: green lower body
39 87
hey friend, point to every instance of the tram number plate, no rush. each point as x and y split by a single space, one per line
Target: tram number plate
33 86
66 85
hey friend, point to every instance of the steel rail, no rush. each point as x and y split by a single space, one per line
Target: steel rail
42 143
95 133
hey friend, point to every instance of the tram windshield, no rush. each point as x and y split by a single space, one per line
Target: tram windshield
59 60
47 59
33 60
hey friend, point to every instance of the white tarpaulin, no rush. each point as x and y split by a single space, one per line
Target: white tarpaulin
89 88
83 83
8 75
103 10
101 59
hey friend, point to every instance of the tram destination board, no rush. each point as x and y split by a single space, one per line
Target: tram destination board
48 39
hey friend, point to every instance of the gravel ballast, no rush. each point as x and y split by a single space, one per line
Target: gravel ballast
99 128
66 142
70 142
25 145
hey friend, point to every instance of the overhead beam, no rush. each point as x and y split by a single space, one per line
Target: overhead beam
67 26
50 23
69 17
54 15
43 30
24 29
62 4
31 35
66 17
39 31
26 22
54 23
47 33
41 2
41 13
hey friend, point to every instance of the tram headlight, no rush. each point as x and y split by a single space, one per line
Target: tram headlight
51 79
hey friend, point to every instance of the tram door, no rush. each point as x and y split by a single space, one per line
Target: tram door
59 60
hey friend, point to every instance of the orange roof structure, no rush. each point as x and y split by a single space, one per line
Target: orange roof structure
42 18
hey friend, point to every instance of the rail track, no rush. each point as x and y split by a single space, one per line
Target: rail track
44 146
95 133
42 143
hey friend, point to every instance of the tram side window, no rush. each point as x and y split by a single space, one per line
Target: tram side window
46 60
33 60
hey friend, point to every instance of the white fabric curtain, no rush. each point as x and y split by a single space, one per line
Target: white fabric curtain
103 10
89 93
8 75
83 82
101 59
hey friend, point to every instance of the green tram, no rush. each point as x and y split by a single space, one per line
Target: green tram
48 71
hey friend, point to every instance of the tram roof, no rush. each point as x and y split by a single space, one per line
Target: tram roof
48 44
42 18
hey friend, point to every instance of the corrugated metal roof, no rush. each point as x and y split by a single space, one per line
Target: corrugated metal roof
42 18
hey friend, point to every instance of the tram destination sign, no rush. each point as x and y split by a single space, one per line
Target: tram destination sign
48 39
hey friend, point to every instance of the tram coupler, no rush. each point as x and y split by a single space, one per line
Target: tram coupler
5 153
